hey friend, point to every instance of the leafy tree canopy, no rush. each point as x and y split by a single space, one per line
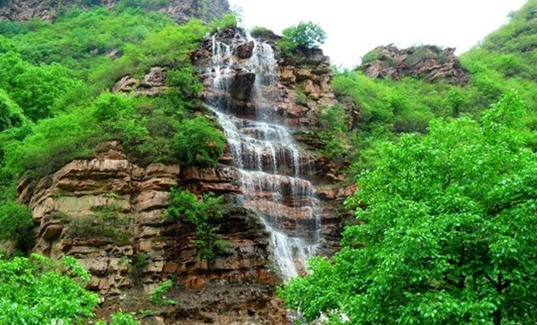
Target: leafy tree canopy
304 35
445 233
34 290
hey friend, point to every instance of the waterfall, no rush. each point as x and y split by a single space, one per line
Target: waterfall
269 163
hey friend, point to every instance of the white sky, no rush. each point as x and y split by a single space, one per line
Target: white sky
355 27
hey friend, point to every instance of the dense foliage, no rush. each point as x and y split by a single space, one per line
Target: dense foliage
35 290
445 232
55 105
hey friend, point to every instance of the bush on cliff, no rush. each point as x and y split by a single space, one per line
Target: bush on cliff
198 142
17 224
201 214
306 35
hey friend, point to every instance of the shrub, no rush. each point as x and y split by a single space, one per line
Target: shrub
261 32
371 56
17 224
123 319
158 296
10 113
306 35
54 143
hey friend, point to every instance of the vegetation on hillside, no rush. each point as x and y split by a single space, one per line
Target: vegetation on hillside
56 106
447 202
445 219
35 290
54 99
444 235
201 214
504 60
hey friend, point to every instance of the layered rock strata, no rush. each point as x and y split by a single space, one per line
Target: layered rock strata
110 215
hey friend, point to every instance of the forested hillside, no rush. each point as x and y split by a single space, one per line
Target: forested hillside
56 105
444 228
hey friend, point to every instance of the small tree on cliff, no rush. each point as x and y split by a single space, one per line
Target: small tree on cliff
201 214
306 35
448 232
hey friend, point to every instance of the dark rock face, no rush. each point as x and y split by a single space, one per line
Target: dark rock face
245 50
242 86
430 63
179 10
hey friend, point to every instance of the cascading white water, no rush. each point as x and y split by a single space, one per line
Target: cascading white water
268 161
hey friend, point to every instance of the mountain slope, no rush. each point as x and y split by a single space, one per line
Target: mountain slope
382 108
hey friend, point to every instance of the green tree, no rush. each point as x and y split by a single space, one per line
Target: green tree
445 234
34 290
10 113
306 35
17 225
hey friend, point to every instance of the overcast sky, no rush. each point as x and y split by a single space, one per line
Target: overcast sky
354 27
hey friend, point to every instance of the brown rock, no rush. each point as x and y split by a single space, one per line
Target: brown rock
155 78
126 84
150 200
245 50
430 63
51 231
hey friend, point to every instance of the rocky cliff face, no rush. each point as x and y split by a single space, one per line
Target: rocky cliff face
430 63
109 214
179 10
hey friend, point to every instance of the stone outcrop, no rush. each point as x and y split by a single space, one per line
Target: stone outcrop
429 63
152 84
179 10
